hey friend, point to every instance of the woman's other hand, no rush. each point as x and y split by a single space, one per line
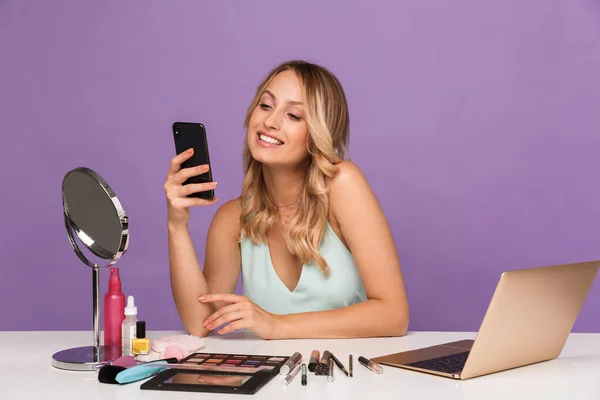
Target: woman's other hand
240 313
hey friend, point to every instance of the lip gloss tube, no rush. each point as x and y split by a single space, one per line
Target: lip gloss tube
330 370
290 363
288 378
373 366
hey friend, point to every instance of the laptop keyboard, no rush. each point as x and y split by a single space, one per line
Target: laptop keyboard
451 364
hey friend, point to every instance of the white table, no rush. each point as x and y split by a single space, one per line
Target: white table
26 371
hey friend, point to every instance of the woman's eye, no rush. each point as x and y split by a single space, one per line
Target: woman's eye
294 117
264 106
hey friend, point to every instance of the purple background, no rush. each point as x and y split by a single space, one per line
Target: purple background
477 124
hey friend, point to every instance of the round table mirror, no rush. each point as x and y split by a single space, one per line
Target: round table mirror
96 224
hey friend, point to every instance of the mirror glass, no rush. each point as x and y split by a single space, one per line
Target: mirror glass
95 215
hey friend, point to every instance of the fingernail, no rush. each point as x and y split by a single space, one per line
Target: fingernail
190 151
214 184
201 298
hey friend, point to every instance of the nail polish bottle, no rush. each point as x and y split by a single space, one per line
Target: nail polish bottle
141 344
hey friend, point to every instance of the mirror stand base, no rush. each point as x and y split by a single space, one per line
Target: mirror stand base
85 358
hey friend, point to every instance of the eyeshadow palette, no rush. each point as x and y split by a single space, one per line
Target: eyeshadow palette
218 373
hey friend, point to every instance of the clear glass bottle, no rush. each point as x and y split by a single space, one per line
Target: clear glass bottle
129 326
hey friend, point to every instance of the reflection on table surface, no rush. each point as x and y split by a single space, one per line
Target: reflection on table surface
195 378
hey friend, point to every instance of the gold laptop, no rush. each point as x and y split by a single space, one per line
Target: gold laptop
528 320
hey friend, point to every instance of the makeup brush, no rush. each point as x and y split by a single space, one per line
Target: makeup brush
108 373
125 361
339 364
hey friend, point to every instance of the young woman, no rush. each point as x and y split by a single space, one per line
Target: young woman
307 233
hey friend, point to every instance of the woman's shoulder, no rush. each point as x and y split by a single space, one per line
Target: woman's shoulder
231 208
349 192
347 176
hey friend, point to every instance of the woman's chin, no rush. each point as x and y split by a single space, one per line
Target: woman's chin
270 163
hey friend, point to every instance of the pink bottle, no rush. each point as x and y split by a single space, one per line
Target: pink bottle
114 306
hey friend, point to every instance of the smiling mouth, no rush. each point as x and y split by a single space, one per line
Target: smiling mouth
269 139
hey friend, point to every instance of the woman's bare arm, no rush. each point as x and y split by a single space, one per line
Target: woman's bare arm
366 231
221 267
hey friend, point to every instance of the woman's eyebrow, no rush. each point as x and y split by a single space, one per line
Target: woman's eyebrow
296 103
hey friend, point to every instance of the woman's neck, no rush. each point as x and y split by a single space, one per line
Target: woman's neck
284 186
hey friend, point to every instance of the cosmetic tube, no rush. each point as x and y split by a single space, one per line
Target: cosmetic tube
321 368
330 370
314 360
290 363
303 374
288 378
373 366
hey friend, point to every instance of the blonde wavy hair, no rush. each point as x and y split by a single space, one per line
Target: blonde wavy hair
327 118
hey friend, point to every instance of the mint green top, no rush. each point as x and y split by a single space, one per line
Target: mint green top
314 292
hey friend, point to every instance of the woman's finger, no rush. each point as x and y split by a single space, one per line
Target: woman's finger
197 187
187 202
223 310
178 160
225 318
226 297
186 173
234 326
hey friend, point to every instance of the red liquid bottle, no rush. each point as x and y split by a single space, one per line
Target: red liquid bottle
114 306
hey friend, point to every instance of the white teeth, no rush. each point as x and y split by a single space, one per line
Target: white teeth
269 140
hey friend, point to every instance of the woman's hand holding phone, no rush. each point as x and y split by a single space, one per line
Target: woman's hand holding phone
178 203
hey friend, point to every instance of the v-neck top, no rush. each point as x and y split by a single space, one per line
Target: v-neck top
314 291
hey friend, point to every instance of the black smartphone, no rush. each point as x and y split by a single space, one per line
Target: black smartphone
193 135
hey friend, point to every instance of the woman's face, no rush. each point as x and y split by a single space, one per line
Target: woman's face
277 131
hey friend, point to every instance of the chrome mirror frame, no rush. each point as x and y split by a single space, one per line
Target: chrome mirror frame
88 357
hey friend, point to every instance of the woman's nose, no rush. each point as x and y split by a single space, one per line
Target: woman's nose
273 120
